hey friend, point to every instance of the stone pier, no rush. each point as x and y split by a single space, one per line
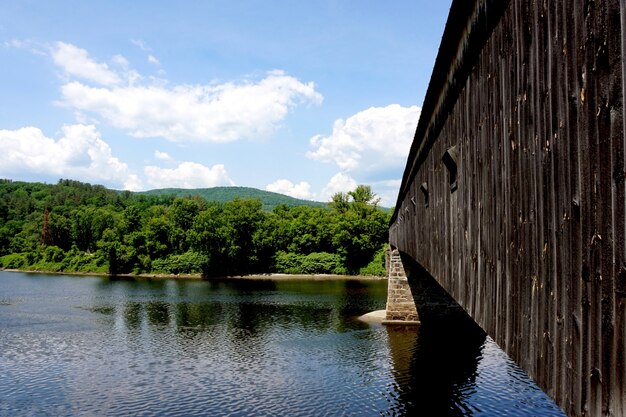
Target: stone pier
400 302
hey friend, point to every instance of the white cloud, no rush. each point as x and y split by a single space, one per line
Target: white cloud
374 139
339 183
162 156
140 44
120 60
202 113
79 153
187 175
152 59
33 47
301 190
14 43
150 107
76 62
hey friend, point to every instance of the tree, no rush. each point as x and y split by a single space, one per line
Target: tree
340 202
182 212
157 233
60 229
130 232
363 194
131 219
361 230
82 227
110 247
209 235
243 217
310 230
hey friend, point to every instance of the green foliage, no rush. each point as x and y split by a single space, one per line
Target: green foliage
269 200
76 260
313 263
360 230
376 268
186 263
14 261
340 202
210 234
77 227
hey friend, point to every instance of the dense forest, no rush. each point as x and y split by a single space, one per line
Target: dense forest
269 200
77 227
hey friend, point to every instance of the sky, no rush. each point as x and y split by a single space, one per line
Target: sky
304 98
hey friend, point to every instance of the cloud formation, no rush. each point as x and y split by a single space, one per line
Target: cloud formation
374 139
79 153
187 175
153 60
198 113
141 44
35 48
339 183
162 156
300 190
150 108
76 62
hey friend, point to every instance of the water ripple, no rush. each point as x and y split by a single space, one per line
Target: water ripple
95 347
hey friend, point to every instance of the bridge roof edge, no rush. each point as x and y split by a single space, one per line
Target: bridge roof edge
467 30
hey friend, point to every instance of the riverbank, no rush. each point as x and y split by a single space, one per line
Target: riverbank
268 276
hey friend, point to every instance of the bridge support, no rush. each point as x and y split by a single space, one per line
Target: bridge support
401 308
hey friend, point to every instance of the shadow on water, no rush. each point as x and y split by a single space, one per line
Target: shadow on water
449 366
433 360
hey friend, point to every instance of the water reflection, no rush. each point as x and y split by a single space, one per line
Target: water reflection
132 314
232 348
450 367
251 306
431 361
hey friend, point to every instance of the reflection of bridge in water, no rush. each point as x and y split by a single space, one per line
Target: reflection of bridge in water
514 198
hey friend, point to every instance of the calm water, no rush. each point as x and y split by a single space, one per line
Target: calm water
91 346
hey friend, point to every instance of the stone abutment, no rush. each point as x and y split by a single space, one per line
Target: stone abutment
401 307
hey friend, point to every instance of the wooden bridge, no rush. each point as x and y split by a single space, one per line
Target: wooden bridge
514 193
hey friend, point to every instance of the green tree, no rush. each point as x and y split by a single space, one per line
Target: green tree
360 230
363 194
92 228
82 228
183 213
243 217
60 231
210 236
157 233
340 202
110 248
131 219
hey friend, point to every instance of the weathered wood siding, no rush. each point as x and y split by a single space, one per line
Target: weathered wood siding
532 240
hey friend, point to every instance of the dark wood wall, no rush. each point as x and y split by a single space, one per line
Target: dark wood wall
527 96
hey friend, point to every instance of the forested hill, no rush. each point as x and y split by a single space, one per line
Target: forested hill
77 227
269 200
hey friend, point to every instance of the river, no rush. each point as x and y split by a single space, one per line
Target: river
91 346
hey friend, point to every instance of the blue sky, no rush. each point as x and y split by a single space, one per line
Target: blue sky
304 98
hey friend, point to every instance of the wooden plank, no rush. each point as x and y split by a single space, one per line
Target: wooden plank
532 243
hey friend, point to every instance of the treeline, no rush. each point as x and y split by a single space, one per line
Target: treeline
76 227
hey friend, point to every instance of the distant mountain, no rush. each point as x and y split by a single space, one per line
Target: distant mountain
225 194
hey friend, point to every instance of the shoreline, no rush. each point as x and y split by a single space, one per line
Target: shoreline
251 277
